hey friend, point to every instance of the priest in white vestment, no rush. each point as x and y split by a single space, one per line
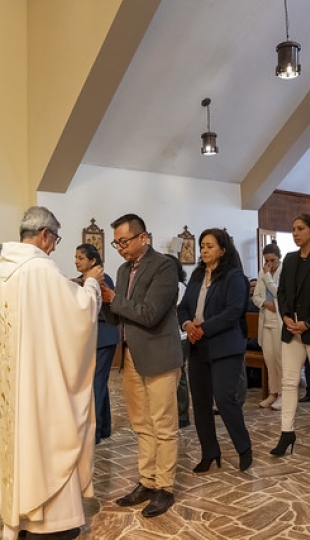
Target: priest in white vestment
48 327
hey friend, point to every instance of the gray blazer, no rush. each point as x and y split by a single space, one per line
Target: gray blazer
149 315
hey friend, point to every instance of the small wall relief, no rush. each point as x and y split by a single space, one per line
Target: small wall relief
95 236
187 254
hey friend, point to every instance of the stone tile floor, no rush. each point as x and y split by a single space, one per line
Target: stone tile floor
270 501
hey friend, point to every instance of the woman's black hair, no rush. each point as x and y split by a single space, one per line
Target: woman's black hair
272 249
303 217
181 272
90 252
229 259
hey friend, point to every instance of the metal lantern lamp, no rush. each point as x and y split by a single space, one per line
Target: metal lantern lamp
209 146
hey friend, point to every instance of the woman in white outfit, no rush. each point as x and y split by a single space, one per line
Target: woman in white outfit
270 322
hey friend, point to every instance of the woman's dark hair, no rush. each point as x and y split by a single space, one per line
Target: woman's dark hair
181 272
303 217
229 259
90 252
272 249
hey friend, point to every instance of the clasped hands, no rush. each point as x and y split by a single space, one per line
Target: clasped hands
194 332
297 327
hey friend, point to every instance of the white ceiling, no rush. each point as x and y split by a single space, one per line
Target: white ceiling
222 49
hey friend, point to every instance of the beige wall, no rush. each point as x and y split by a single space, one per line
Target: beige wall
60 64
13 115
65 38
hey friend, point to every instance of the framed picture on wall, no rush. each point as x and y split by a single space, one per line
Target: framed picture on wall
149 239
95 236
187 254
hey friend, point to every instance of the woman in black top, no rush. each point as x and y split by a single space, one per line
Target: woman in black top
294 307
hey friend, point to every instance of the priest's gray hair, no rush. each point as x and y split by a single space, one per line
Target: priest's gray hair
35 219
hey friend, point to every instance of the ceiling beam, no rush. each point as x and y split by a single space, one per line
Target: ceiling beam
282 154
115 55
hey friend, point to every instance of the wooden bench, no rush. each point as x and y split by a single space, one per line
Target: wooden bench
255 359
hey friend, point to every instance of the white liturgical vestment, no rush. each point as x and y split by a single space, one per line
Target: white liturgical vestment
48 327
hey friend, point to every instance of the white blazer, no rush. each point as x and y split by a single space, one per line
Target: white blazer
265 279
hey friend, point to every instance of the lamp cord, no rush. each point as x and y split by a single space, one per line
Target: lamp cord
286 19
208 118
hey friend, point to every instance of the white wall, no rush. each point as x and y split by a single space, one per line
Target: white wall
166 203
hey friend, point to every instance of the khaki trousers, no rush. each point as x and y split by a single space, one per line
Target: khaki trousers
153 413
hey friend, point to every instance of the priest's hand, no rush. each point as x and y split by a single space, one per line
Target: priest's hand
97 273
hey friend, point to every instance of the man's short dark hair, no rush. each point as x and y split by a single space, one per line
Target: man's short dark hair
136 224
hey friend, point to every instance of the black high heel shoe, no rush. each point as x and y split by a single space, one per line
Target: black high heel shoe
205 464
245 459
287 439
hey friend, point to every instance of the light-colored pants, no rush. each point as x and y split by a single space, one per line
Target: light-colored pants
293 358
272 352
153 413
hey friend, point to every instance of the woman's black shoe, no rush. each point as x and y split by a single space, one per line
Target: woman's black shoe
287 439
245 459
184 423
304 399
205 464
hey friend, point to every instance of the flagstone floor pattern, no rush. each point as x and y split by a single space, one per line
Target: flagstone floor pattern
269 501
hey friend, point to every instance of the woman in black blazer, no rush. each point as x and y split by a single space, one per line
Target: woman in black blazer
294 307
210 312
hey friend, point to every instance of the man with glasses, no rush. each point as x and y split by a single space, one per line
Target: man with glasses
144 304
47 359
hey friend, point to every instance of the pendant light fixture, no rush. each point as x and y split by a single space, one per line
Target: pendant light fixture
208 138
288 55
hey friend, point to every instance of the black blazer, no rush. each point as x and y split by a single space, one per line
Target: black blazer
291 300
225 304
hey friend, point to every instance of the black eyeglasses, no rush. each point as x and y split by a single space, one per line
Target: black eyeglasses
58 238
122 242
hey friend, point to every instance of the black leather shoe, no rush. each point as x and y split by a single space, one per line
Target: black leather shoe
61 535
161 501
304 399
139 495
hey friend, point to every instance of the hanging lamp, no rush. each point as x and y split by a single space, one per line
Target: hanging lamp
209 147
288 55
